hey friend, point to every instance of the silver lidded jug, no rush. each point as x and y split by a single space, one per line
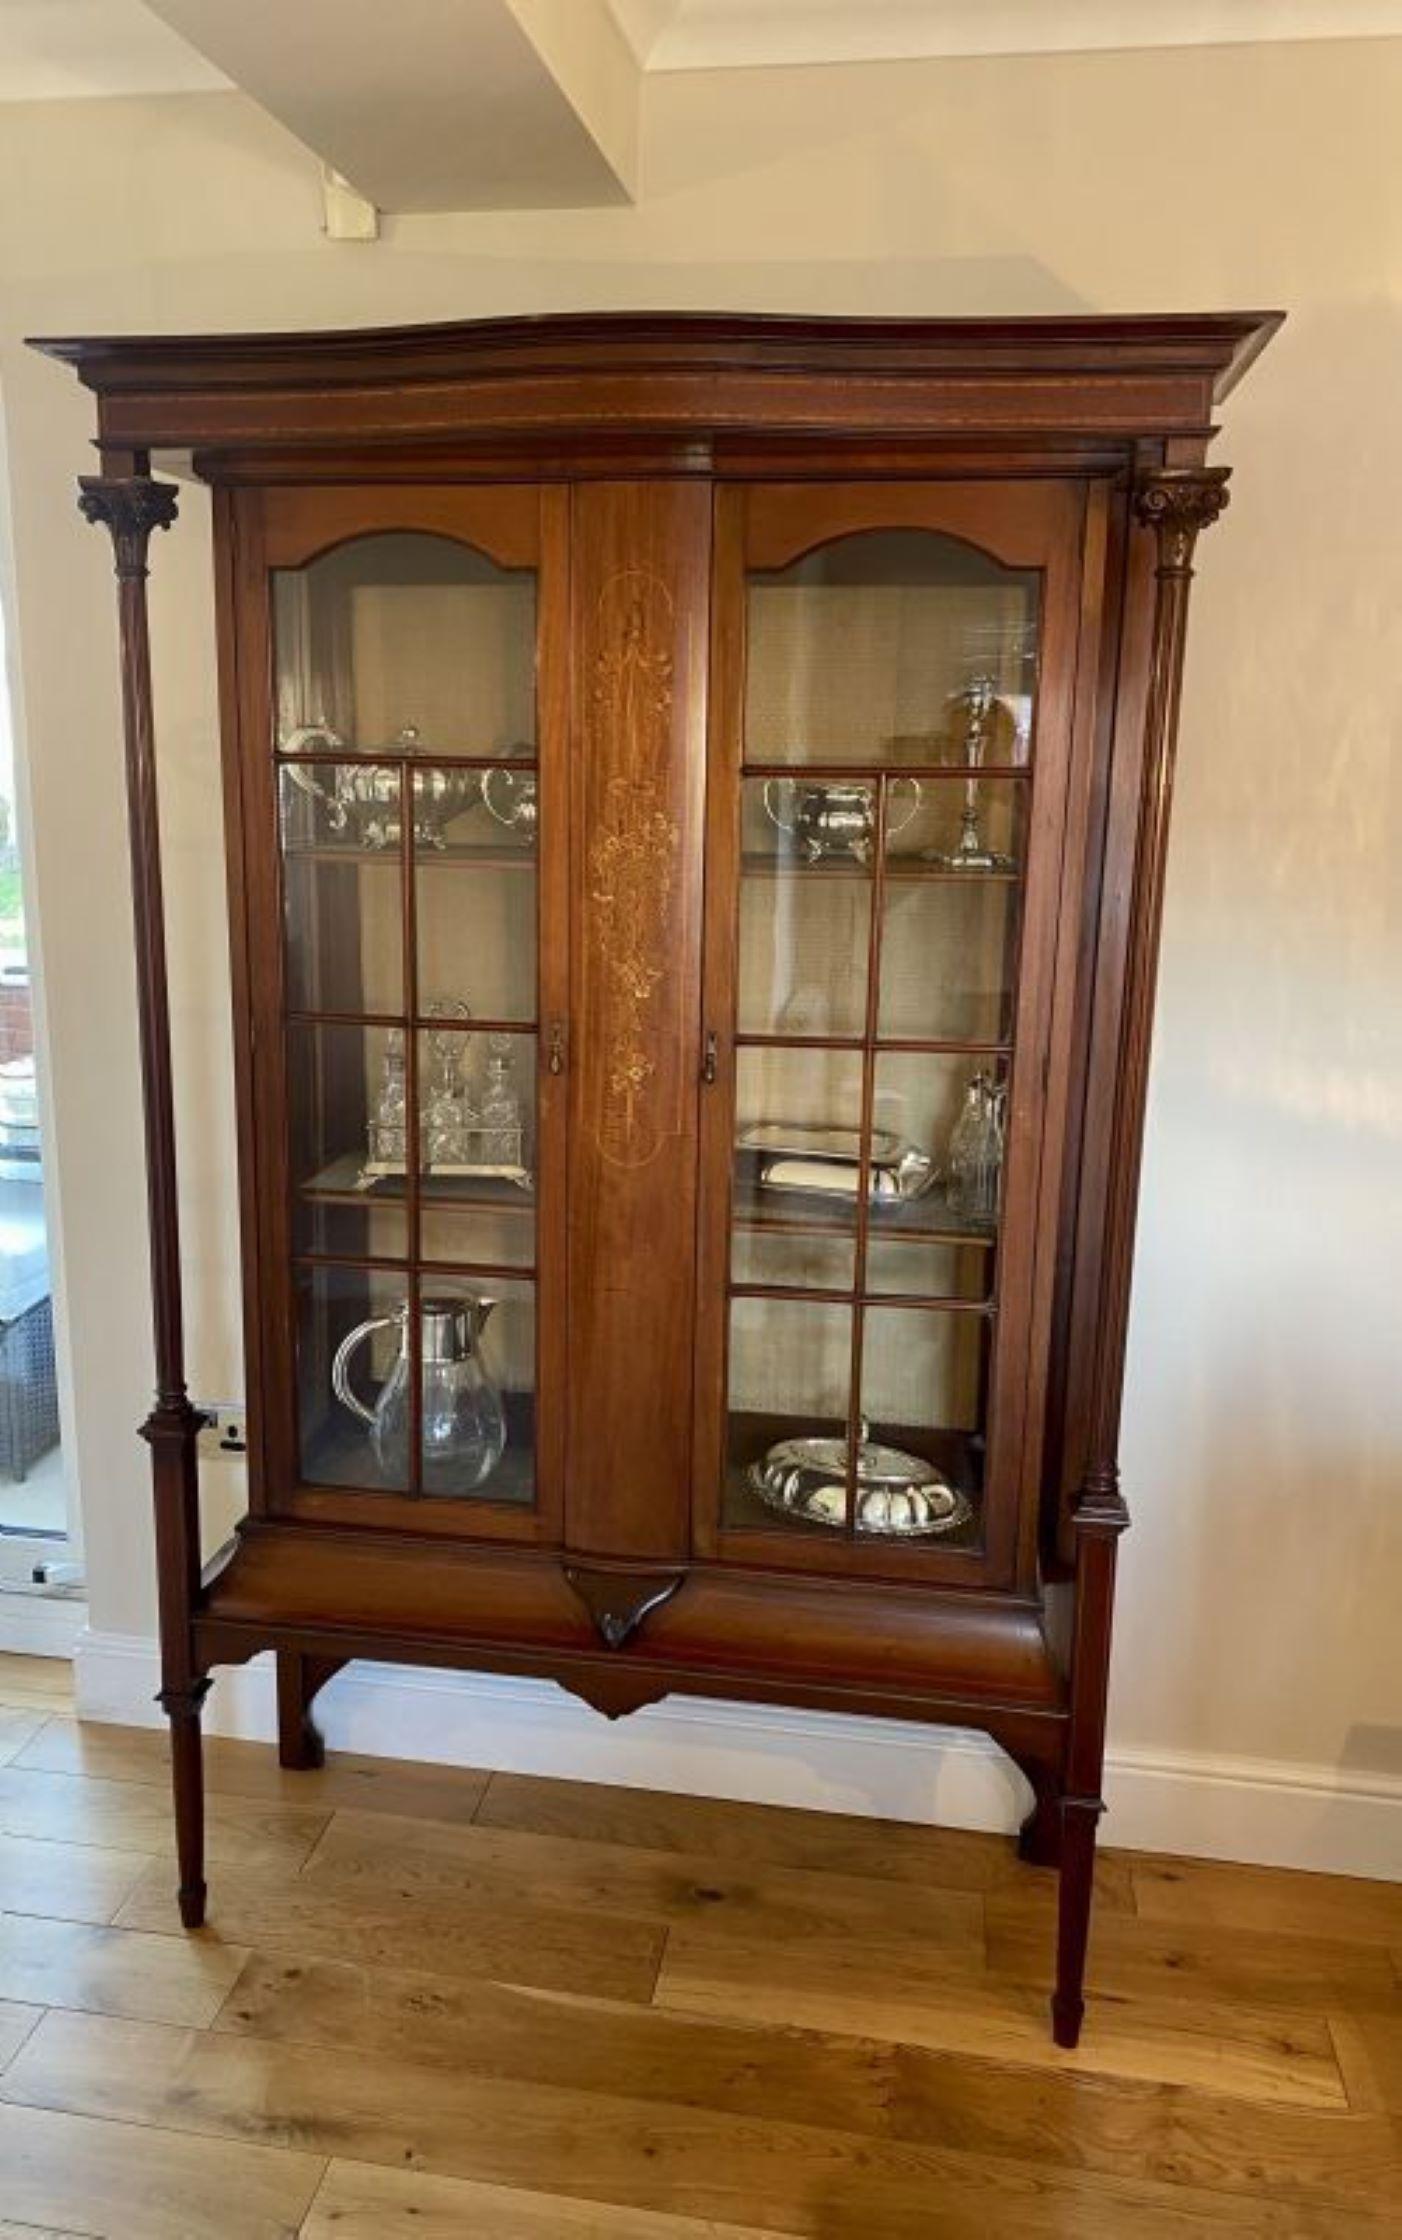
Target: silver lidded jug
462 1423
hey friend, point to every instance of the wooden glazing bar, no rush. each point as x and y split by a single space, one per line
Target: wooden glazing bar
390 758
412 1130
875 929
874 772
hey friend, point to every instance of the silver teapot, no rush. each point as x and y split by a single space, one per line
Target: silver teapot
363 797
837 818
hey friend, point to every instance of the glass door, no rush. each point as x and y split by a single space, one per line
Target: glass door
410 1010
887 778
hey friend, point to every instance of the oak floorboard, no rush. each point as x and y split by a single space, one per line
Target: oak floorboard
766 1835
251 1769
504 1868
16 2022
67 1881
135 1816
1134 1958
35 1684
18 1728
114 1971
877 1993
786 2177
1290 1904
1369 2047
360 2201
610 1956
1061 2117
76 2175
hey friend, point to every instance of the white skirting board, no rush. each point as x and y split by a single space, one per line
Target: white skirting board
1199 1806
33 1624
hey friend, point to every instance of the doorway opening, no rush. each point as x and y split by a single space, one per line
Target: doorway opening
34 1494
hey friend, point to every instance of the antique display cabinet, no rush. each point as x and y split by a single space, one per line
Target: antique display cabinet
696 804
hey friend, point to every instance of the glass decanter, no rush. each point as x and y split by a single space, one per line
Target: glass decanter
502 1134
974 1162
447 1113
388 1138
461 1418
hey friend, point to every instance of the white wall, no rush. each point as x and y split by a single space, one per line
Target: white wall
1263 1435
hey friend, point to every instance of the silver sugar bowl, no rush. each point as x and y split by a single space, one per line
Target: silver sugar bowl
836 819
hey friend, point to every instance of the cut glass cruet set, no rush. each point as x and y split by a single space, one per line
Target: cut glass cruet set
463 1133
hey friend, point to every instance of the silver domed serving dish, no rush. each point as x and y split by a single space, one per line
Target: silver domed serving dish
898 1495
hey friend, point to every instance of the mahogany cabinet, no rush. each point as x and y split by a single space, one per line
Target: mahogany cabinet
696 803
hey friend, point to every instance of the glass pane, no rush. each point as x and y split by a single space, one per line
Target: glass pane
479 1377
797 1129
342 1442
951 915
941 1118
924 1378
477 932
478 1135
790 1375
342 896
793 1257
406 633
805 907
347 1129
866 651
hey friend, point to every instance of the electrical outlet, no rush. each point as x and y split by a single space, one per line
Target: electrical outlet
226 1431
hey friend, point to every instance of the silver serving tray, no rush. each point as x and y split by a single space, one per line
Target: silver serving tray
826 1162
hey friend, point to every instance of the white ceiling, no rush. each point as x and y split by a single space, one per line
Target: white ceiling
63 49
738 34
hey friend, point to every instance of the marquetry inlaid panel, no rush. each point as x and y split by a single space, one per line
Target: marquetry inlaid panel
640 567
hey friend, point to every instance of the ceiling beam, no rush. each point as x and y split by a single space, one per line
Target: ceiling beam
439 104
741 34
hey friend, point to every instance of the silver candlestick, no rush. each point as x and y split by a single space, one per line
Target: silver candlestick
978 700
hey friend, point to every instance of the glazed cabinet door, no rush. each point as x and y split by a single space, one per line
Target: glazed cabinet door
399 782
891 738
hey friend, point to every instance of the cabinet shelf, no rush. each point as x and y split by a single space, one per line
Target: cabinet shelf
926 1220
492 857
340 1457
337 1185
898 868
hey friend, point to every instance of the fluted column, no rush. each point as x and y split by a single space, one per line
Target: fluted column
131 507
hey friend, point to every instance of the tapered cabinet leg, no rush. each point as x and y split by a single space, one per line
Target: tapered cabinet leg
1078 1825
182 1706
299 1678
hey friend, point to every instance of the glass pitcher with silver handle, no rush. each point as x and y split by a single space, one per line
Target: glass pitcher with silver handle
462 1422
363 797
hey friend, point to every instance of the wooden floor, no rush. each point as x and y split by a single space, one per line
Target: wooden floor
433 2004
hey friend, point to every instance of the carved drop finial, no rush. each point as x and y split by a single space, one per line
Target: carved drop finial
1179 502
131 506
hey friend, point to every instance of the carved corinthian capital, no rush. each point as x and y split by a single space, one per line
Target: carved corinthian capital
131 506
1177 502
